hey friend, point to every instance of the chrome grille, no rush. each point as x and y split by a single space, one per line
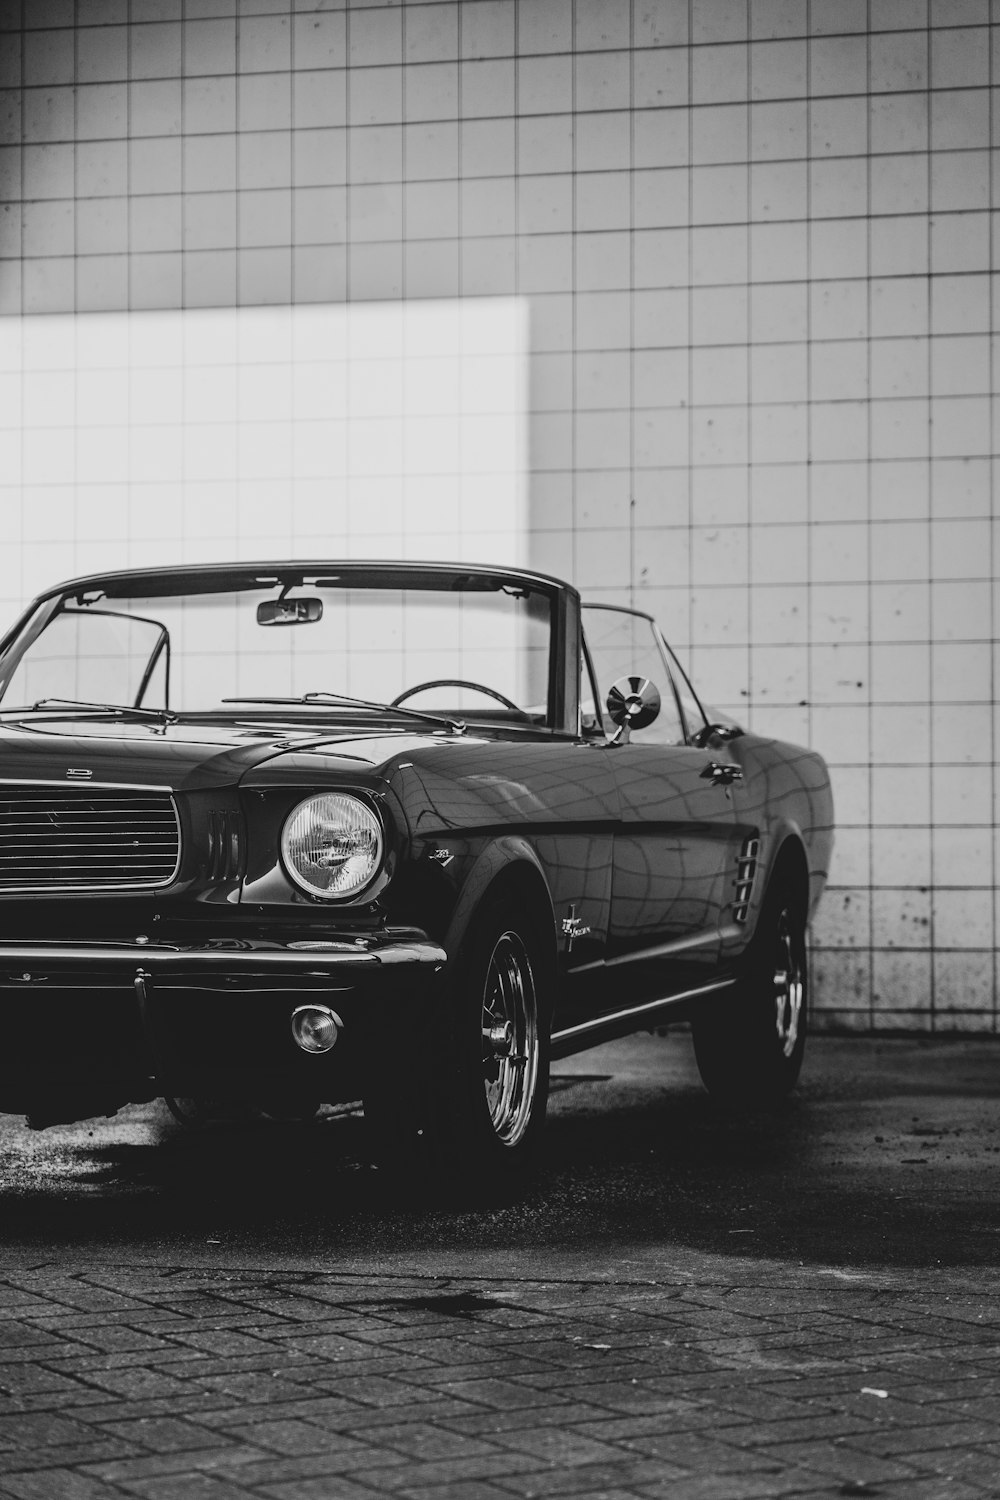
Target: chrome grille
86 837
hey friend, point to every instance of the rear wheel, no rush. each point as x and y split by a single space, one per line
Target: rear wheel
469 1107
749 1050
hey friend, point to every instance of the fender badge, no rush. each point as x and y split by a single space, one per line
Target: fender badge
572 928
78 773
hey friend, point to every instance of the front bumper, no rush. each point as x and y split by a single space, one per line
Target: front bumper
87 1026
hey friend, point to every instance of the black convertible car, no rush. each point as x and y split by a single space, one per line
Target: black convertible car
286 834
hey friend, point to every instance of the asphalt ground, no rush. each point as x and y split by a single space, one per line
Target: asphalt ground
684 1304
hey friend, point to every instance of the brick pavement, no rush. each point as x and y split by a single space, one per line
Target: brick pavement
175 1383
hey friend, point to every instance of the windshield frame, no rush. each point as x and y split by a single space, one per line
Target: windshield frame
104 588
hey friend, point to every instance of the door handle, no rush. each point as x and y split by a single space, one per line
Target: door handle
721 775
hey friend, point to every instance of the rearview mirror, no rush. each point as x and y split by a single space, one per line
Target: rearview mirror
289 611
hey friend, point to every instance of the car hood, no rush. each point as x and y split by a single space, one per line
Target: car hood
184 757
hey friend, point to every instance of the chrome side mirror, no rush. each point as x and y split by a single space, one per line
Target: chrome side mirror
632 703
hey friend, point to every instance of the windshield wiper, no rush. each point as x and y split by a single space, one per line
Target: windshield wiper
120 710
455 725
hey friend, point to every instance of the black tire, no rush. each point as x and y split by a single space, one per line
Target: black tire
466 1109
749 1049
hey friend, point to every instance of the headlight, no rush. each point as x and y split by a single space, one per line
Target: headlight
332 844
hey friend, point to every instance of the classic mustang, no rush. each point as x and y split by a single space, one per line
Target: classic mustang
286 834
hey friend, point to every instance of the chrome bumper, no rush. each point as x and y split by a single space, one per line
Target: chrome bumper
234 957
123 1020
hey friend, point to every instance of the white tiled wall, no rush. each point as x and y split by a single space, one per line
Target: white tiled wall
391 429
756 242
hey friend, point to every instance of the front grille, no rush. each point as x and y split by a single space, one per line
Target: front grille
91 838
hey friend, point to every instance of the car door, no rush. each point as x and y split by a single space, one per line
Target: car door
679 837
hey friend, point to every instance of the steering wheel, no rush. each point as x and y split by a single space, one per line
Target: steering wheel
479 687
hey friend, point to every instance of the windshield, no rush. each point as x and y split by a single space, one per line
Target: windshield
468 647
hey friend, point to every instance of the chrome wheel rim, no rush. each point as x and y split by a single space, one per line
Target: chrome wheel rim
510 1039
789 985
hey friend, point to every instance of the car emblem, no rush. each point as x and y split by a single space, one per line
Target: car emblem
78 773
573 927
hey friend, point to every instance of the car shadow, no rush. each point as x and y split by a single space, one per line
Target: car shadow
891 1165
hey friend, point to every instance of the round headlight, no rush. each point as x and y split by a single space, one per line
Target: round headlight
332 844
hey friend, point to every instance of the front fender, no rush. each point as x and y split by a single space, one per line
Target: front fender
511 861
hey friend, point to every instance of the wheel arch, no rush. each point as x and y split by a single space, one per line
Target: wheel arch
789 862
508 867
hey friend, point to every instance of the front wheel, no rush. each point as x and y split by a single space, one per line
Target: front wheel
472 1112
749 1050
511 1046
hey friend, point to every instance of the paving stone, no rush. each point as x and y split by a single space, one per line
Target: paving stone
166 1434
48 1484
128 1471
492 1394
83 1361
336 1411
40 1429
65 1456
250 1385
937 1488
701 1452
137 1381
227 1343
602 1492
415 1413
293 1435
932 1436
376 1466
22 1379
802 1429
428 1443
983 1407
376 1390
458 1471
96 1407
471 1489
325 1487
189 1486
564 1449
738 1487
845 1463
631 1397
507 1368
121 1338
568 1414
636 1473
971 1464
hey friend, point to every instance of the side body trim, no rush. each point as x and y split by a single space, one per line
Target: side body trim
633 1018
663 950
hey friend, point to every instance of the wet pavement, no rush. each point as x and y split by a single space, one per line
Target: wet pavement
684 1304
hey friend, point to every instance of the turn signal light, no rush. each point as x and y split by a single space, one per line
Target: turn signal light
316 1028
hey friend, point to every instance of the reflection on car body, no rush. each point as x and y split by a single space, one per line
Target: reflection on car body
239 864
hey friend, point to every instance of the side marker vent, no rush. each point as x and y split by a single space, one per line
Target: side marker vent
226 846
746 869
